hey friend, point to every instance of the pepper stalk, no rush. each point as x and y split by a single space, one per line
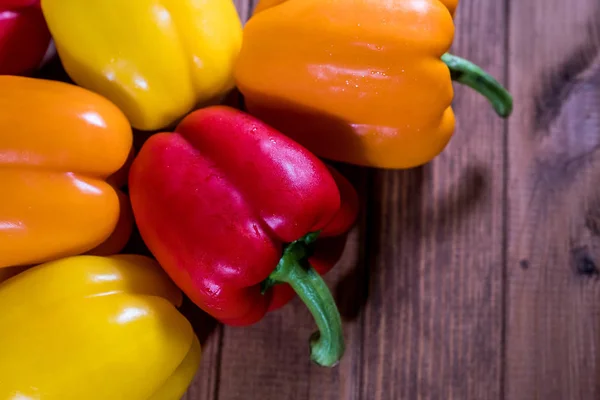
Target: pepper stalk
469 74
327 344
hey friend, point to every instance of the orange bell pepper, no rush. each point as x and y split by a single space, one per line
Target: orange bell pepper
59 144
365 82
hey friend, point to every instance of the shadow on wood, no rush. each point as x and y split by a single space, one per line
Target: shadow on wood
351 292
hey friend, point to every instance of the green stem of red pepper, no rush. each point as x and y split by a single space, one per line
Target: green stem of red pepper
327 344
467 73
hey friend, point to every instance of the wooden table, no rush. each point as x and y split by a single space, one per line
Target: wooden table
474 277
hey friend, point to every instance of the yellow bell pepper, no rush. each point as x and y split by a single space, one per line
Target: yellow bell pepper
90 327
155 59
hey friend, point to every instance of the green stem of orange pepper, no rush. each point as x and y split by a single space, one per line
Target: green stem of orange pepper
467 73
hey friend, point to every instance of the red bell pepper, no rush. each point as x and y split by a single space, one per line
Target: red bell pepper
24 36
232 210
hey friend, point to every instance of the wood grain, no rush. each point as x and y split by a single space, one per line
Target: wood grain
553 318
433 321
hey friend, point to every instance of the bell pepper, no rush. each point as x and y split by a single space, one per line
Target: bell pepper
24 36
88 327
366 83
59 144
156 60
232 210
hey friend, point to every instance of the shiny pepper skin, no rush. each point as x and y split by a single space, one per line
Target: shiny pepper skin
59 144
361 82
155 59
231 208
216 199
95 328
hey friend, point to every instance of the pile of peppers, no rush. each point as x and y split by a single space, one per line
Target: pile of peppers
238 206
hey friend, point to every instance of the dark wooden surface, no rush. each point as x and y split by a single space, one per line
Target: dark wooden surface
474 277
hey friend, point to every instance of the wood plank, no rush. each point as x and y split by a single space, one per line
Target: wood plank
433 321
206 381
553 324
